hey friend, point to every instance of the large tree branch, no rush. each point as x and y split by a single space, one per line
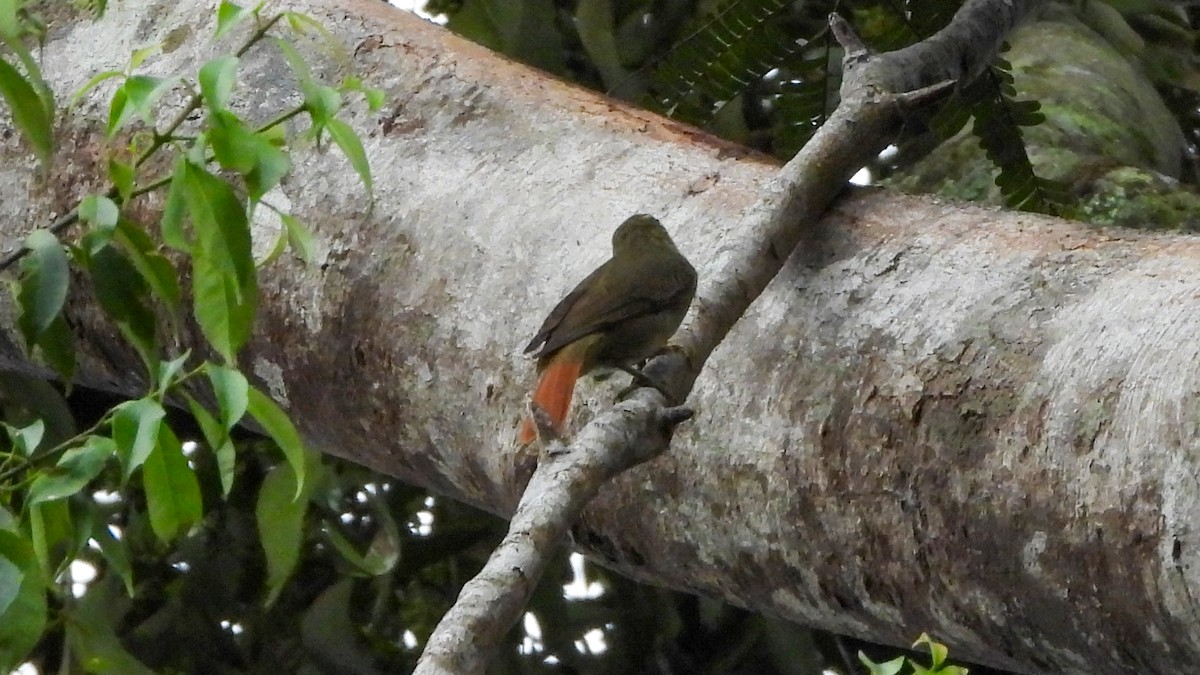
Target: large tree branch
934 418
872 105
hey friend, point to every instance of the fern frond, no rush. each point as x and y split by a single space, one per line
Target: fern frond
724 56
998 121
806 100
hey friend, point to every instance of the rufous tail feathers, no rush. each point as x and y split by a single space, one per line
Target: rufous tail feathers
554 391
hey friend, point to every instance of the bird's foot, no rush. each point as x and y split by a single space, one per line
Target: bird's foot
640 380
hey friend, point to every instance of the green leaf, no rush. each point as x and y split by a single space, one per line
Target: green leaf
172 491
168 370
230 15
197 152
122 293
271 165
232 392
26 439
156 270
299 238
725 52
251 154
596 27
224 285
44 279
123 176
135 430
52 533
58 348
232 142
277 425
280 511
277 250
374 97
137 96
119 112
325 104
139 56
24 616
217 80
74 470
99 210
10 25
306 25
226 454
174 210
43 290
115 551
29 399
95 239
346 549
144 91
348 141
937 650
997 126
329 627
91 84
29 113
383 553
316 101
218 440
887 668
10 583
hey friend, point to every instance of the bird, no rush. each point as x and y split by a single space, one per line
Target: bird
619 315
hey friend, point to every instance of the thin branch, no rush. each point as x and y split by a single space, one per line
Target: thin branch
36 457
871 110
161 138
876 95
564 482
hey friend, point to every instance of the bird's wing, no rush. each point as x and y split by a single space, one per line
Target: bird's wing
599 301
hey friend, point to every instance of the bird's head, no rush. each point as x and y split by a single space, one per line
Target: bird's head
640 232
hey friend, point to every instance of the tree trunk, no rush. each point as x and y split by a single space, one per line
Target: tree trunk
937 418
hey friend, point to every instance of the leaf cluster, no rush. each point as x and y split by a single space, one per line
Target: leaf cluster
765 72
195 266
937 666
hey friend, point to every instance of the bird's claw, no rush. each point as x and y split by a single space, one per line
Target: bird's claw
640 380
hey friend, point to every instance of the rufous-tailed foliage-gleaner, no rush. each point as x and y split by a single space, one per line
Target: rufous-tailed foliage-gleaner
621 314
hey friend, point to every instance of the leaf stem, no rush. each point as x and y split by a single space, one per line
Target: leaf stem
39 455
161 138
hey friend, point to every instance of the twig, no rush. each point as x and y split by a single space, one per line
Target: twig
566 479
160 139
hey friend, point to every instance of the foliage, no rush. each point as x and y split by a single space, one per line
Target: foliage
732 47
937 666
219 550
214 549
998 117
764 72
51 470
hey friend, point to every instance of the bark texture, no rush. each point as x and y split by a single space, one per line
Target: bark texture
937 418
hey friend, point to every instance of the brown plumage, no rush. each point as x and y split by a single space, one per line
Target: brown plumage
622 313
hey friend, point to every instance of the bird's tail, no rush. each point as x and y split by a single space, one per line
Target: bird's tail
555 389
